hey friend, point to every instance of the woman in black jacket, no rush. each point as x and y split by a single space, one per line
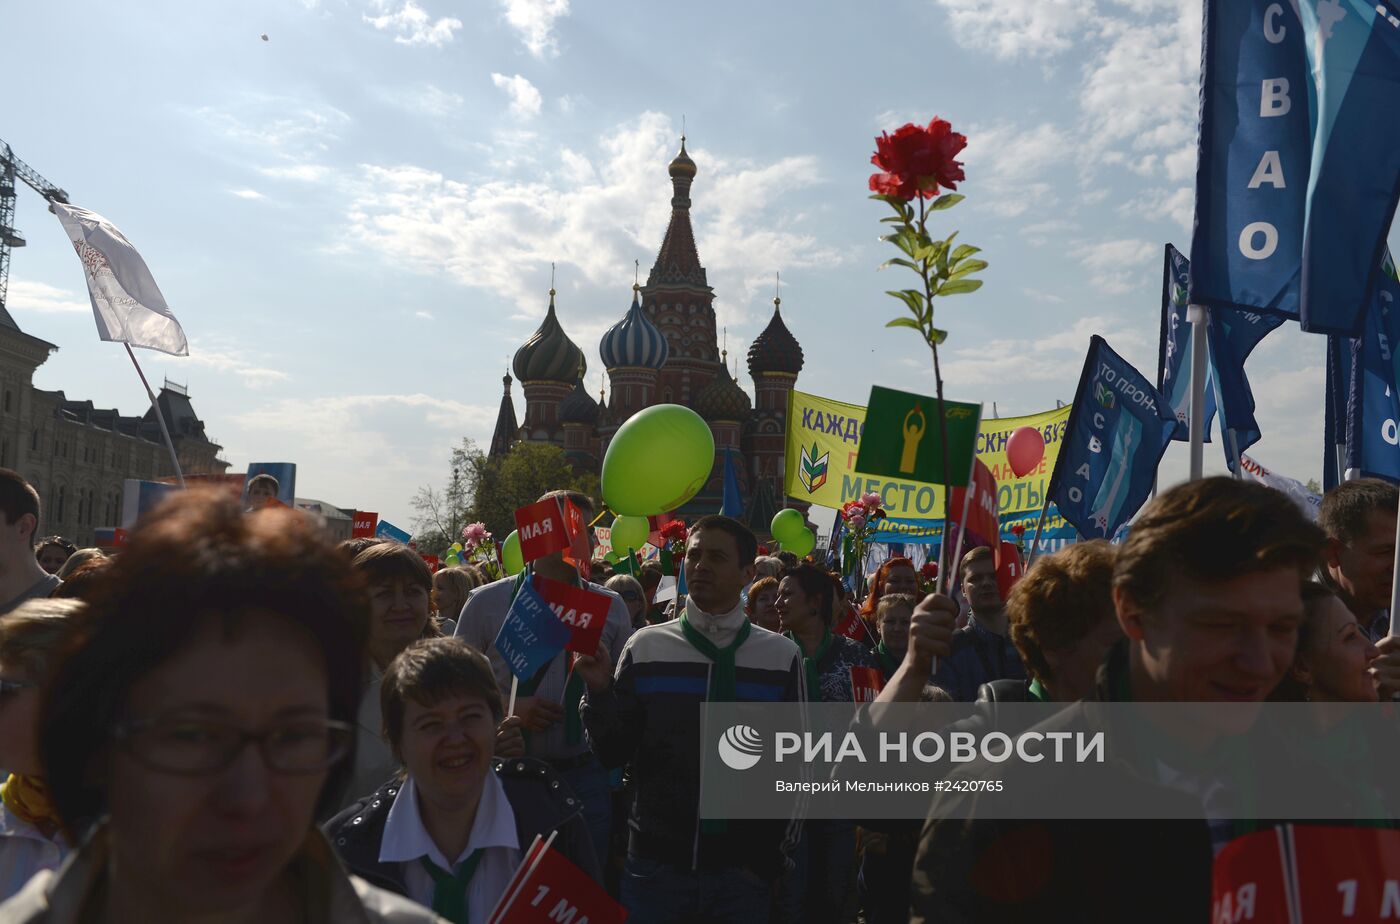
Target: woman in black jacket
452 833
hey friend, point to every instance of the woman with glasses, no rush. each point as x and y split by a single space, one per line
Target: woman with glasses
31 835
452 830
630 590
203 710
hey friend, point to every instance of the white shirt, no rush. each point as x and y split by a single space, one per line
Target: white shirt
406 841
374 760
24 851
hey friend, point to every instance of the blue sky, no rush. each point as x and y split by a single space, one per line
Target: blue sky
355 219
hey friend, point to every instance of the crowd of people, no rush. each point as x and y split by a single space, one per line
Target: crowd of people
232 719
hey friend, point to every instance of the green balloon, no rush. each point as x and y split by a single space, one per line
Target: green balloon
511 558
629 533
787 525
802 543
612 557
659 459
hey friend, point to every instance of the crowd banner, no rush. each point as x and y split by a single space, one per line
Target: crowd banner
1306 500
1298 167
1174 350
1119 429
823 438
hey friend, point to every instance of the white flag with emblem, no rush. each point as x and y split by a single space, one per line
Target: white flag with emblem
126 302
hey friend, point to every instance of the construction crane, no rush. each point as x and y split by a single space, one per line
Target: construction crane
12 167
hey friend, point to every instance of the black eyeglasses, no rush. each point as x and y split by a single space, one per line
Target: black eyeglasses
195 747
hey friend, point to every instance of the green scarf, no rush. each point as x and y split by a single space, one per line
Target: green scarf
809 666
723 677
888 664
449 891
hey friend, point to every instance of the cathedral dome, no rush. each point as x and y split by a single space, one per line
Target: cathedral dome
549 355
634 341
578 406
776 349
682 166
723 399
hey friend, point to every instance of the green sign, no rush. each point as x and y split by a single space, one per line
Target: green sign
901 438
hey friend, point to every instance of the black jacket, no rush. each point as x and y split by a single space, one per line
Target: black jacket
539 797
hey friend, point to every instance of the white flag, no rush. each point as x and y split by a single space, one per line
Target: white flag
126 302
1305 499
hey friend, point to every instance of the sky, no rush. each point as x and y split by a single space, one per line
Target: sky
355 219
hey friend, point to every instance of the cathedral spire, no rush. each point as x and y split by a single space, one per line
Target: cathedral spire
679 262
506 427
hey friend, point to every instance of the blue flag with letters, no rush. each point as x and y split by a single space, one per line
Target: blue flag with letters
1118 431
1298 169
1174 350
1373 400
531 635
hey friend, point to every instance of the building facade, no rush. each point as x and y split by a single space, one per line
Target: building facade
76 454
665 350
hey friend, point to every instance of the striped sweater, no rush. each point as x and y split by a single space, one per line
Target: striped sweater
650 720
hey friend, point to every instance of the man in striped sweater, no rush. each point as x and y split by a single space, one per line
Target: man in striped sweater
647 715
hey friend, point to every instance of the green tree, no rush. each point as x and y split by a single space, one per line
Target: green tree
519 478
440 513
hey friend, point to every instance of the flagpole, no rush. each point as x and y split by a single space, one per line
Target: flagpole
160 418
1035 540
1196 314
1395 594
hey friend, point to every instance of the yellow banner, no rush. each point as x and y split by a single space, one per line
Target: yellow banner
823 438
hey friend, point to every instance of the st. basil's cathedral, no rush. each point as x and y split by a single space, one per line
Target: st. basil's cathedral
664 350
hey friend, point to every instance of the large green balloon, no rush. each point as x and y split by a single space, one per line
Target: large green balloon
659 459
511 557
802 543
630 533
787 525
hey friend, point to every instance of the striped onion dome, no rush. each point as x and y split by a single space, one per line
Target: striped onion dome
549 355
578 406
776 349
723 399
634 341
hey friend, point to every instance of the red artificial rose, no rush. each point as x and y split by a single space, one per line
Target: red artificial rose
763 550
1018 530
917 161
929 570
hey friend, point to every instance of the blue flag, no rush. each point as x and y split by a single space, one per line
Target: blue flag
531 635
1118 431
1232 336
1174 351
1373 400
387 530
733 504
1299 163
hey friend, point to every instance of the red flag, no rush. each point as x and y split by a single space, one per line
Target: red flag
1009 568
1247 880
542 529
866 684
1346 874
364 525
584 611
983 526
554 890
580 550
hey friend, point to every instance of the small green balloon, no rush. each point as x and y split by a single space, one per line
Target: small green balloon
452 560
659 459
511 558
612 558
801 544
787 525
630 533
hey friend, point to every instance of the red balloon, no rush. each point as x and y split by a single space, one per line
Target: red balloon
1024 450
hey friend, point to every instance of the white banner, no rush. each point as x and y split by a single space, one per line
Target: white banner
1305 499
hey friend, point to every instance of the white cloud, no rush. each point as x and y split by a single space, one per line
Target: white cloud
595 217
1008 163
534 20
425 315
246 194
525 99
1114 265
277 125
1017 28
414 26
426 98
305 173
1056 357
42 298
233 361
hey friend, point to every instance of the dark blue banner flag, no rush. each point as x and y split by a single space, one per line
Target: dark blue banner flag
1373 400
732 504
531 635
1118 431
1335 414
1232 336
1299 163
1174 349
